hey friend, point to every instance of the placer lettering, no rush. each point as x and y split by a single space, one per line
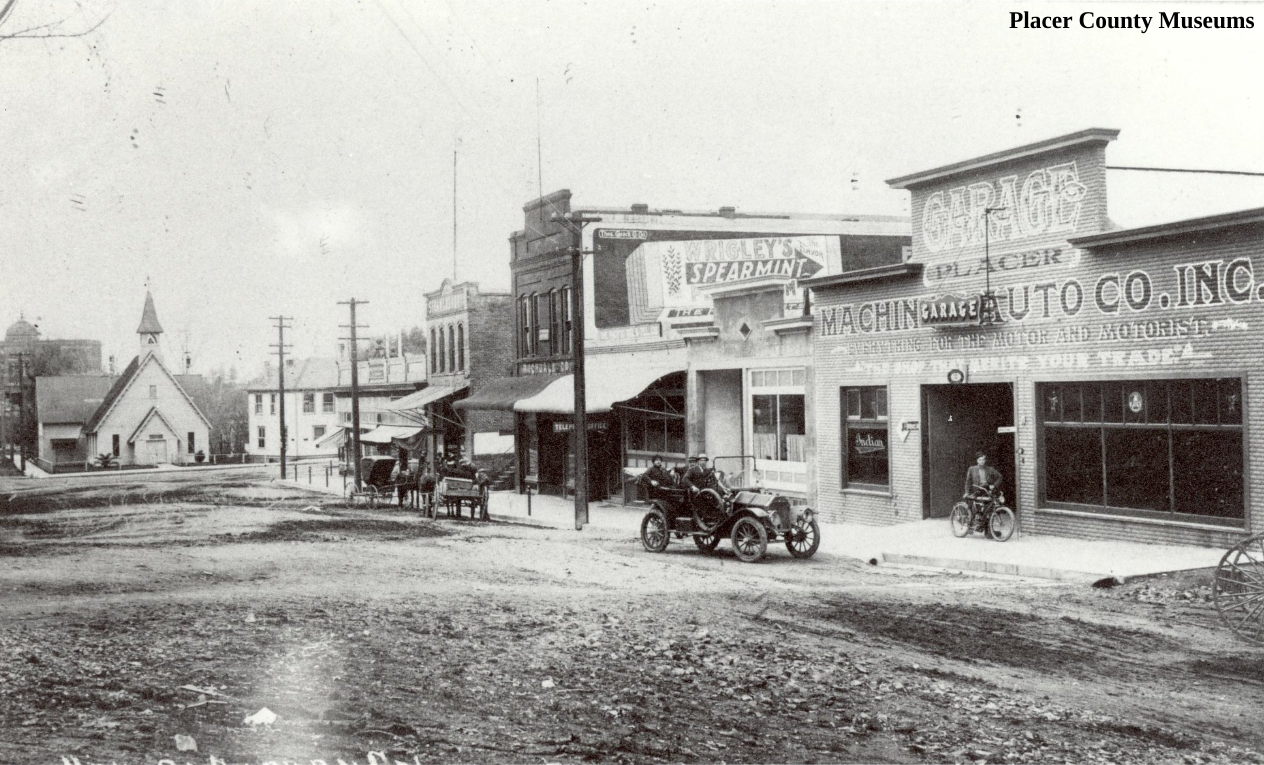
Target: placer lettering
1210 283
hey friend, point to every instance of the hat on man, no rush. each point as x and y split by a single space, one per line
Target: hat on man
702 457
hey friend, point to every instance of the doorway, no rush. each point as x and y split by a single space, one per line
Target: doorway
959 421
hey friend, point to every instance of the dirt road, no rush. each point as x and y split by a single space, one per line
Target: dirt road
139 612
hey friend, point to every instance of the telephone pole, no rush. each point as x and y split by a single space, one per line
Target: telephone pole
355 387
22 422
575 222
281 345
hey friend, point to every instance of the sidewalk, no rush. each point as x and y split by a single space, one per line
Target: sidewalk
919 543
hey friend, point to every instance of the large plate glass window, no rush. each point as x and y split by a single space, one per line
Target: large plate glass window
778 422
1157 448
866 437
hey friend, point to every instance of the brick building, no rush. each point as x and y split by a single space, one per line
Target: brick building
680 307
1106 368
470 341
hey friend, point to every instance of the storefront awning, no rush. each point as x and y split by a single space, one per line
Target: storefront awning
418 400
385 434
605 386
502 394
337 434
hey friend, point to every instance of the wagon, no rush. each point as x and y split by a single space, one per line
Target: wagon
377 486
453 493
749 518
1238 590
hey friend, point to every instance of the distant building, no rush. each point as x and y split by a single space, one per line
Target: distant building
24 356
311 414
142 417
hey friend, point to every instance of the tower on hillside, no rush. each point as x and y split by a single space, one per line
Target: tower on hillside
150 331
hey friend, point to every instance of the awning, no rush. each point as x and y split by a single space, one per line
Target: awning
604 387
418 400
385 434
337 434
502 394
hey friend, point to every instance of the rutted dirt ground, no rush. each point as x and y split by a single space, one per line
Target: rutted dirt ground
143 610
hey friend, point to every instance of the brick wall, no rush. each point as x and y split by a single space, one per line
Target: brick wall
1064 319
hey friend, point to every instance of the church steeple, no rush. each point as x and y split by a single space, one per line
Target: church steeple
149 330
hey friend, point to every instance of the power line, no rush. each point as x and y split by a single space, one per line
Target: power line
355 387
1185 170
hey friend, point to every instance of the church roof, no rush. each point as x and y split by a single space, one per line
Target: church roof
70 398
116 390
149 319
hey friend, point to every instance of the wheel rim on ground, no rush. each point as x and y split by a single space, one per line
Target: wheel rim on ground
960 519
1238 590
750 541
654 531
1002 523
804 538
707 543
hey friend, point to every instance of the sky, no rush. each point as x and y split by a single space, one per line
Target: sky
246 159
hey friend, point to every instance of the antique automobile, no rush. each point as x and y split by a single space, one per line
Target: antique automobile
749 517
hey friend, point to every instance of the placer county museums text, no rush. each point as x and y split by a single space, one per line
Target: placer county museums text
1091 20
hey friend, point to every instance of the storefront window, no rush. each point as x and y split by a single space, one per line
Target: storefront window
654 422
1161 447
865 433
780 427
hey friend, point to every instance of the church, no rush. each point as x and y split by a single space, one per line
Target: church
142 417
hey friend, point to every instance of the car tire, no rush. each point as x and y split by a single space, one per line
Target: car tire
708 543
654 532
750 540
804 538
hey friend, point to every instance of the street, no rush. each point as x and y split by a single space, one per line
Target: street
147 614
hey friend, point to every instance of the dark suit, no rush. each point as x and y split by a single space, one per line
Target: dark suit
981 475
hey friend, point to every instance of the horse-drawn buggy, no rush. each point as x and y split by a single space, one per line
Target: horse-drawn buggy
379 483
749 518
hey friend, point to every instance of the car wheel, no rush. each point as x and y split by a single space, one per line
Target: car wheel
708 543
1002 523
960 519
803 538
750 540
654 531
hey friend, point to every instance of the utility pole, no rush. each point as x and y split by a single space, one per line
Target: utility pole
355 387
22 424
575 222
280 345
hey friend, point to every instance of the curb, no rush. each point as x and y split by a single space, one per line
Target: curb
991 567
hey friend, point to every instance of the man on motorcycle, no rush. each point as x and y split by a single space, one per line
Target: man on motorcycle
982 480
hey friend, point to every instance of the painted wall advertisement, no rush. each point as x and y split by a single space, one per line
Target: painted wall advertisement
676 276
650 276
1155 317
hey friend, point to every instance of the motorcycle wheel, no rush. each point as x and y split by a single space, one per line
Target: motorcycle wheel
750 540
960 519
1002 523
654 534
708 543
803 540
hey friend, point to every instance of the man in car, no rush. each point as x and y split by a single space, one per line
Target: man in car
701 476
657 477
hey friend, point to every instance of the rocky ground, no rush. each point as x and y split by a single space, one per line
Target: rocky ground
141 619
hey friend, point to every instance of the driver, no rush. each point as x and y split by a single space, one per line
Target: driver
701 476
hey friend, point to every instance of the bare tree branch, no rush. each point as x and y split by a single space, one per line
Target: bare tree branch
46 31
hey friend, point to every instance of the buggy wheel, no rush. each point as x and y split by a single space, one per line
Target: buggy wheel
960 519
1238 589
750 540
1002 523
803 538
708 543
654 534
